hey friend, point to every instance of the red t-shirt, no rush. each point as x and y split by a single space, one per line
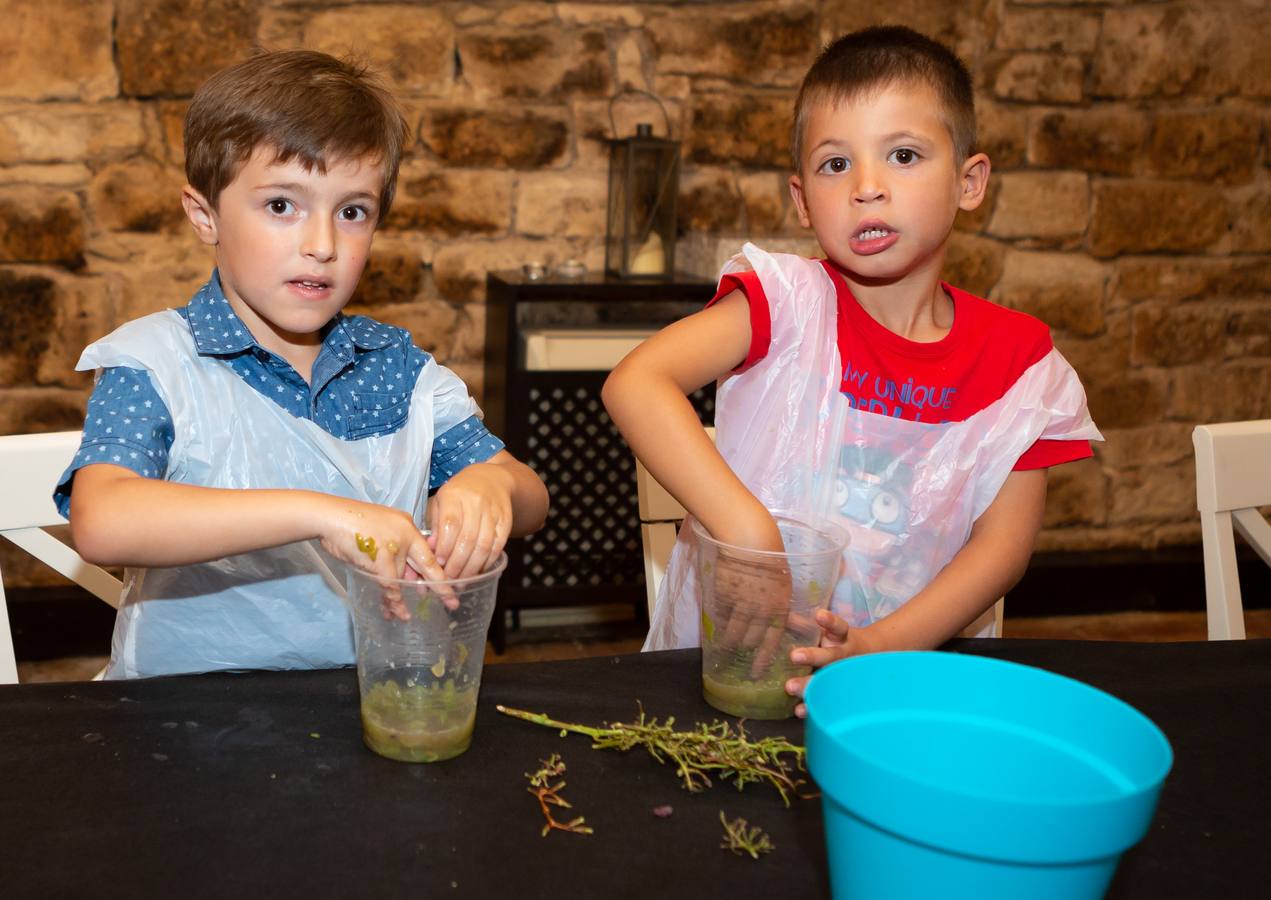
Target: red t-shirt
948 380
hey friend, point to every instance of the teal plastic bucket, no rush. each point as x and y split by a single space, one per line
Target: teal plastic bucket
960 776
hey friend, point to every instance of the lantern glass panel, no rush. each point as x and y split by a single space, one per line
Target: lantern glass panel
643 184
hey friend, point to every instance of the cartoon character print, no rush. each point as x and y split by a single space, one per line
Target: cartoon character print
872 492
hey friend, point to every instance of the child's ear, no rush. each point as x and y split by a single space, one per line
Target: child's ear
800 202
975 181
202 214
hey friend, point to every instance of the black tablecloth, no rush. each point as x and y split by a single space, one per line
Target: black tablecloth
223 785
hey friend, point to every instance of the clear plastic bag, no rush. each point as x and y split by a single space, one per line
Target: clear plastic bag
907 492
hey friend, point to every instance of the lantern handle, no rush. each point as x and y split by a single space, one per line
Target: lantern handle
613 126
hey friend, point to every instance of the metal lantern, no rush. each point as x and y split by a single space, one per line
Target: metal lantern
644 175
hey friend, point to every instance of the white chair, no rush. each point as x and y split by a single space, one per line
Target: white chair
1233 479
660 518
30 465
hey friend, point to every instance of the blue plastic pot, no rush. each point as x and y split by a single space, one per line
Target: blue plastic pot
959 776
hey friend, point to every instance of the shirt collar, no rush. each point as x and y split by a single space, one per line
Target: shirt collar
218 330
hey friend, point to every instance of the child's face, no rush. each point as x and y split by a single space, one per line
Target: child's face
880 183
290 243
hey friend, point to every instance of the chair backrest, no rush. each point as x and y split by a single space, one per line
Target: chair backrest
1233 479
30 465
660 517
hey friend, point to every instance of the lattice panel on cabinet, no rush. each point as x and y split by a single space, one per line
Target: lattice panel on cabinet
592 534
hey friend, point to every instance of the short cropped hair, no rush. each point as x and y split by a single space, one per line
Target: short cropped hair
304 104
880 57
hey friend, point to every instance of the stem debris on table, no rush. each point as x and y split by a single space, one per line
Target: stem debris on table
742 838
715 748
548 795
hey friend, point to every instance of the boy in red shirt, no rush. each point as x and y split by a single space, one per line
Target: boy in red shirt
862 387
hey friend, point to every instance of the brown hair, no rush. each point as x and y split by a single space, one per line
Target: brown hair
305 104
881 56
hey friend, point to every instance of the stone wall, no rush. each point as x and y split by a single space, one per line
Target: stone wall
1130 204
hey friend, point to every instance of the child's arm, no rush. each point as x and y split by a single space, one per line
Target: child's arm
479 507
647 398
988 565
121 518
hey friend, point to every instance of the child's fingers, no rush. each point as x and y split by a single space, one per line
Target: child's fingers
815 656
420 558
834 629
768 648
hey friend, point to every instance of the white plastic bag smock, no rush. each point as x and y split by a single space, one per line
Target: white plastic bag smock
281 608
907 492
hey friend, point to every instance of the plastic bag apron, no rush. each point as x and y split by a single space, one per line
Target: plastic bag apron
907 492
276 608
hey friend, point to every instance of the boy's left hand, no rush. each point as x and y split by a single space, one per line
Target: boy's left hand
471 517
838 641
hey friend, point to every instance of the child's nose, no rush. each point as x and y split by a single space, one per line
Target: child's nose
319 239
868 185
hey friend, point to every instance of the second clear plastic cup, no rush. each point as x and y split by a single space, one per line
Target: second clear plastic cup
757 606
419 678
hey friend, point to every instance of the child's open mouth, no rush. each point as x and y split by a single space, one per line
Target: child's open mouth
873 237
311 288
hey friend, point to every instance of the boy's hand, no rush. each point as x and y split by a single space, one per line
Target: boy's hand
838 641
384 542
751 603
471 517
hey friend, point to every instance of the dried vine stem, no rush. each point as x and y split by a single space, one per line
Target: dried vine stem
548 795
716 748
742 838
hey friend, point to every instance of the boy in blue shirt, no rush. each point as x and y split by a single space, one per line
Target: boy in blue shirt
226 440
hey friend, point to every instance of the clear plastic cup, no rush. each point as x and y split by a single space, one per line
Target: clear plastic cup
419 677
757 606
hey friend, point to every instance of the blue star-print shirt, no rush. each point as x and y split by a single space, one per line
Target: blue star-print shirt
128 424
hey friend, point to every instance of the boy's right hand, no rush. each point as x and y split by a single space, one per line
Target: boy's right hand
384 542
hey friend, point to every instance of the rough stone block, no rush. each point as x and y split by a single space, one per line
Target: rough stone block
1040 77
1147 216
1153 494
1158 444
1076 494
392 276
766 201
47 318
1177 335
594 126
1248 332
1064 290
750 129
171 114
448 202
959 25
1234 392
519 138
536 62
1172 50
754 44
460 266
1251 219
57 50
1002 133
627 16
1107 141
170 47
629 59
1062 30
1044 205
32 410
410 46
1210 145
1190 278
42 226
56 132
973 263
138 195
1128 400
562 204
709 201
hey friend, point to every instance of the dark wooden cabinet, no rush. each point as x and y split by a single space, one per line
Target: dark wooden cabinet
551 417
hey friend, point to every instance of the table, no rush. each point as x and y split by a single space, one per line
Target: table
228 785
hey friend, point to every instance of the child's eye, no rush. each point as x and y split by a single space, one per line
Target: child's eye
354 214
904 156
834 165
280 206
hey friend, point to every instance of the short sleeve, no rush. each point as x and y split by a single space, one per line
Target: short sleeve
127 425
760 316
1044 454
466 443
